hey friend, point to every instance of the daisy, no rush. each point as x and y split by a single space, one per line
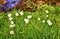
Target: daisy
12 22
10 18
49 22
38 18
9 15
47 11
30 16
16 14
26 21
43 21
21 13
13 25
46 15
11 32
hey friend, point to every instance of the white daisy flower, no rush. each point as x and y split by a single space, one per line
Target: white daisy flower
21 13
13 25
46 15
9 15
10 18
26 21
43 21
16 14
12 22
29 17
49 22
11 32
38 18
47 11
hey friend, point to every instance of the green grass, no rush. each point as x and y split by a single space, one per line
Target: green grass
35 29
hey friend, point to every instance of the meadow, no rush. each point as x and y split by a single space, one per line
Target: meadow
35 29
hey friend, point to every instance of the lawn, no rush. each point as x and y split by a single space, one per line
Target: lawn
35 29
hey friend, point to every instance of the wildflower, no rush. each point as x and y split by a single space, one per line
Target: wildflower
43 21
16 14
12 22
11 32
38 18
47 11
13 25
10 18
26 21
46 15
9 15
49 22
30 16
21 13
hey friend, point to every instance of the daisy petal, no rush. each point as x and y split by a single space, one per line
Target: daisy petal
12 22
43 21
9 15
16 14
11 32
49 22
47 11
21 13
26 21
10 18
12 25
29 17
38 18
